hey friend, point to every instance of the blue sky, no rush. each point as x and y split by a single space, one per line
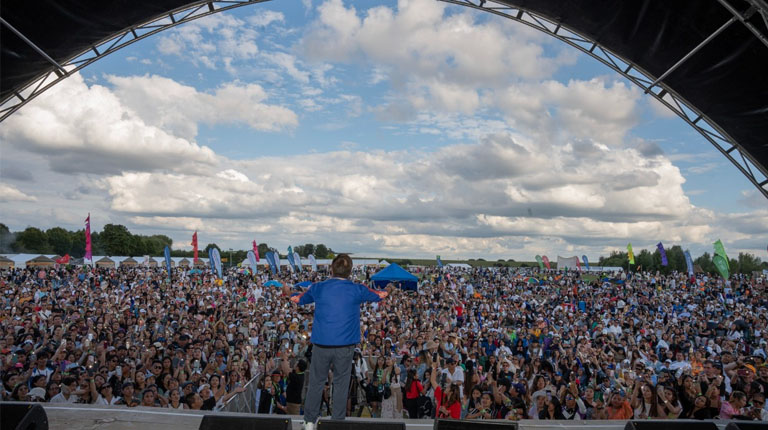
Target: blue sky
385 129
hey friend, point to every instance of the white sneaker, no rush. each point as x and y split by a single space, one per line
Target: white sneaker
309 426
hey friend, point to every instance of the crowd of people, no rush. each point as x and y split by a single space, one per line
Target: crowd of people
479 343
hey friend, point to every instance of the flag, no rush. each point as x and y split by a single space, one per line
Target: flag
630 254
439 262
252 260
256 251
578 264
720 250
313 262
546 261
88 253
194 244
586 261
217 262
541 263
271 261
689 262
291 262
297 261
276 258
721 260
63 260
663 253
167 252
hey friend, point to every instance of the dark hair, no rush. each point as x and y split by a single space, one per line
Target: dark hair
341 266
302 365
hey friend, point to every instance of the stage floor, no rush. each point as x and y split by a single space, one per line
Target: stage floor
92 417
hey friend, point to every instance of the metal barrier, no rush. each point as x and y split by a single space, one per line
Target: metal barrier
245 401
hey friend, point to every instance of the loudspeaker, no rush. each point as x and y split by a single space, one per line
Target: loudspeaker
359 425
441 424
670 425
23 416
747 425
237 422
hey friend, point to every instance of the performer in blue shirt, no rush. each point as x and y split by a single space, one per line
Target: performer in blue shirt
335 333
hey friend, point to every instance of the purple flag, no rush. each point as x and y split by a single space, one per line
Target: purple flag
664 261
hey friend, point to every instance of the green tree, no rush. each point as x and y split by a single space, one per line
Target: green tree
77 239
616 259
116 239
263 249
60 240
676 258
747 263
31 240
321 251
645 259
208 248
705 262
6 238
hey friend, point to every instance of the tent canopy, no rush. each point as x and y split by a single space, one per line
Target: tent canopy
397 275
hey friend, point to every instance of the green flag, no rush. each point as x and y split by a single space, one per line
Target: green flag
541 263
720 250
630 254
722 266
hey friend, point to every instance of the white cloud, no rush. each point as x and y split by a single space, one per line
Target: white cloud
9 193
179 108
209 41
94 132
419 39
264 18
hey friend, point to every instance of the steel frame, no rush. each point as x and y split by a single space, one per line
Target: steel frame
108 45
656 87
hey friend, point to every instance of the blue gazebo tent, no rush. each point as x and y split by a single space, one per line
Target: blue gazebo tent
396 275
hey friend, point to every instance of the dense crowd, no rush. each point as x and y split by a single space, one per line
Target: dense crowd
481 343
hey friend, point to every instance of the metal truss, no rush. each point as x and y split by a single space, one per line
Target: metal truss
754 171
114 42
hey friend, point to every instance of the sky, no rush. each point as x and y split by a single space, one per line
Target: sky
402 129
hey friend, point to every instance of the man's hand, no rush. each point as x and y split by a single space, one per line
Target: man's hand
382 294
295 299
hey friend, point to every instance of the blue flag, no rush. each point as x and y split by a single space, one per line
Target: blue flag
439 262
663 253
689 262
252 260
216 262
271 260
586 262
168 259
291 259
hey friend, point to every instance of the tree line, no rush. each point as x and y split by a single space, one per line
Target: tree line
651 261
116 239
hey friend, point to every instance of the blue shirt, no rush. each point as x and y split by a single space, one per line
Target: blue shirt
337 310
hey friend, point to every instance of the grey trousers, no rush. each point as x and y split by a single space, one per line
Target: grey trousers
322 359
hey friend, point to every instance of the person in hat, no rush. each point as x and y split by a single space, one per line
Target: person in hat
335 333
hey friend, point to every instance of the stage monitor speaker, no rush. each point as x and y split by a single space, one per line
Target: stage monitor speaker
441 424
359 425
747 425
23 416
239 422
670 425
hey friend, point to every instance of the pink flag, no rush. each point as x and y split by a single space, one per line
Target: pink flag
256 251
546 261
194 243
88 254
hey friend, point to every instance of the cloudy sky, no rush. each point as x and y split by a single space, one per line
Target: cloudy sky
385 129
